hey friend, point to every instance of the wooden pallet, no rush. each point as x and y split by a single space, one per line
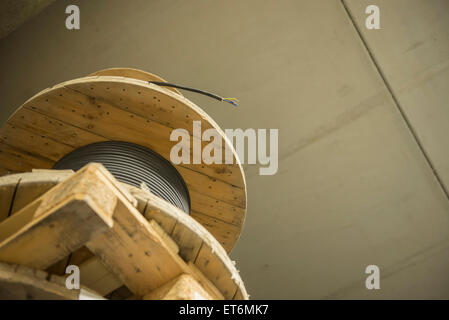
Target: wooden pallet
118 236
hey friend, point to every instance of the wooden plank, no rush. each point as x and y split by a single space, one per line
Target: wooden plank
164 236
154 211
22 283
14 159
217 272
121 293
218 209
67 172
239 296
95 275
57 223
225 233
164 213
59 267
190 234
189 241
32 187
135 252
205 282
132 73
217 189
4 171
146 100
8 187
32 142
98 277
49 127
80 256
184 287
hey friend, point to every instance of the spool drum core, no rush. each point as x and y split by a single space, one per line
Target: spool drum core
135 165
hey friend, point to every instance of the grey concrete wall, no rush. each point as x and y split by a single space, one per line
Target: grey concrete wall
13 13
355 184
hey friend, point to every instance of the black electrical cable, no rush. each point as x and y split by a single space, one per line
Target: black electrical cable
232 101
133 164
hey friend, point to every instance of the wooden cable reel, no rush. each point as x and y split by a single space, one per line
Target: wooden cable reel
120 105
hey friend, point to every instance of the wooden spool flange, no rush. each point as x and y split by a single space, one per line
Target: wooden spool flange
120 105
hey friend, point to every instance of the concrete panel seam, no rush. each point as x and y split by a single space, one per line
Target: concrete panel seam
395 99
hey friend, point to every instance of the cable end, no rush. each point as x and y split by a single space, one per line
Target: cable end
232 101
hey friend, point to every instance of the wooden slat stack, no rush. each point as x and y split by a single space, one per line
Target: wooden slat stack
122 238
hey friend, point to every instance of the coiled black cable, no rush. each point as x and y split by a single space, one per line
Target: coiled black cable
133 164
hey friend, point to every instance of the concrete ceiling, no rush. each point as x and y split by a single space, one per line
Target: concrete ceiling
13 13
362 117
